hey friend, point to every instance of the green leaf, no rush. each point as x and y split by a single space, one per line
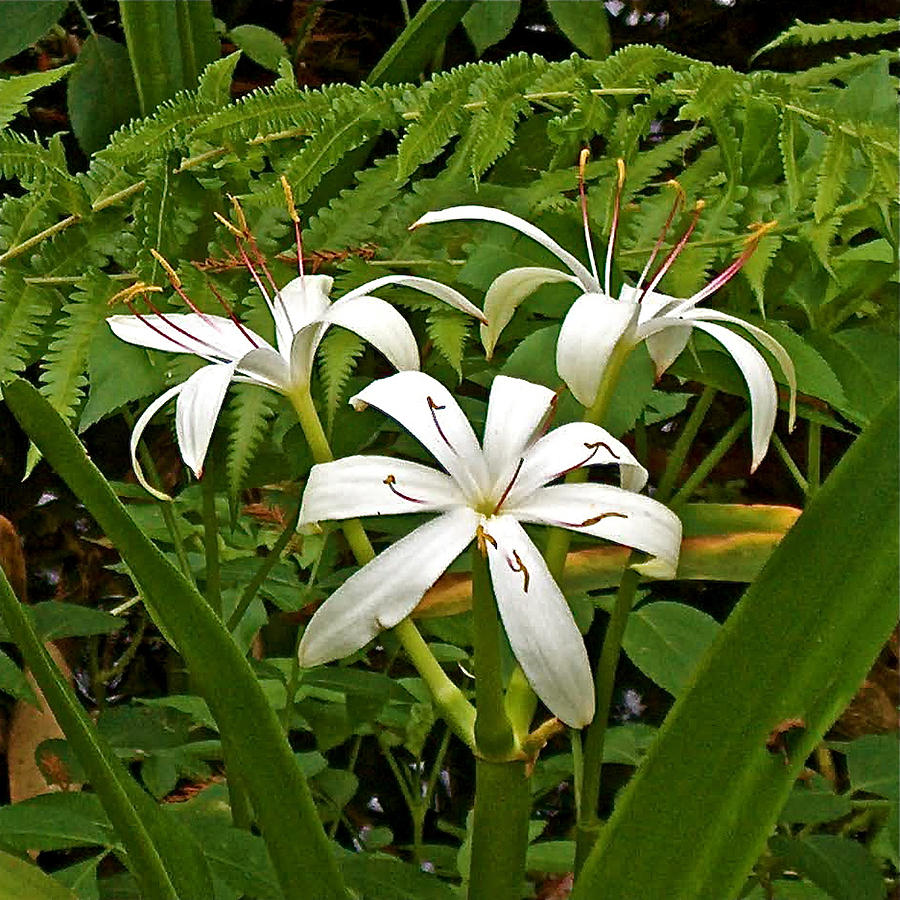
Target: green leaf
801 33
554 857
56 822
627 744
24 879
81 878
666 640
386 879
54 620
25 21
260 44
813 802
488 22
14 682
584 24
798 644
16 92
840 866
872 761
101 93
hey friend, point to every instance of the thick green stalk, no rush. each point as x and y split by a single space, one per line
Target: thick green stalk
499 831
683 444
456 710
814 459
212 589
604 680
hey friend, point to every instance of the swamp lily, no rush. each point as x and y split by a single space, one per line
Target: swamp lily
302 312
484 494
599 329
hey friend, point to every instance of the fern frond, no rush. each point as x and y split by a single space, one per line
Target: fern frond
648 165
21 217
29 162
247 419
214 84
802 34
633 124
448 332
563 76
830 181
63 375
787 139
15 92
639 65
841 69
24 308
338 353
756 268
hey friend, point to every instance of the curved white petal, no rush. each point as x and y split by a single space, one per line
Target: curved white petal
590 332
427 410
303 352
266 367
197 410
652 303
571 447
766 339
647 524
505 294
138 431
427 286
381 325
211 337
375 486
386 590
489 214
760 384
517 410
539 624
300 302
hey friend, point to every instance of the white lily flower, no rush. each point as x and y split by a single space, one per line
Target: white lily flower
598 325
485 495
302 312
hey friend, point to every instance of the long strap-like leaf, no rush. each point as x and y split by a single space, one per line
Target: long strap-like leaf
298 846
798 645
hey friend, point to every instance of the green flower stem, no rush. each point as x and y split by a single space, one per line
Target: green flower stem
499 830
212 590
814 459
456 710
604 680
683 444
493 730
710 461
789 463
521 702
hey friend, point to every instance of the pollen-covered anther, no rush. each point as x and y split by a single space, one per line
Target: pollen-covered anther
433 409
593 520
289 199
390 481
126 295
482 539
170 271
239 212
229 225
520 567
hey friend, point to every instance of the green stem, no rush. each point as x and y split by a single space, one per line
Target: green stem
456 710
499 831
604 681
789 463
683 444
521 703
814 459
213 590
710 461
493 731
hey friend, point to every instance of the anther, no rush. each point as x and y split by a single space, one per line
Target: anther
482 539
620 184
239 212
390 481
126 294
295 218
582 162
173 275
432 408
593 447
520 567
593 520
230 226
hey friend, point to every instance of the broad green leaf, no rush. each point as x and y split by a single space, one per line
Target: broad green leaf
798 644
81 878
488 22
814 801
54 619
56 822
260 44
554 857
101 93
25 21
24 879
584 24
627 744
13 680
375 876
872 761
666 640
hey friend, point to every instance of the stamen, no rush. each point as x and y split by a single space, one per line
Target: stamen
512 481
620 183
235 231
675 251
390 481
593 520
125 295
482 539
433 408
520 567
239 212
295 218
676 208
594 447
173 275
582 161
177 285
230 313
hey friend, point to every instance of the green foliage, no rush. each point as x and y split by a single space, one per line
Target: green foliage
16 92
800 33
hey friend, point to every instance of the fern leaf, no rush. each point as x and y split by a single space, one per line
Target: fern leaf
16 92
28 161
337 356
787 143
662 156
247 419
214 85
801 34
839 69
24 308
832 175
448 332
633 124
639 65
23 216
758 265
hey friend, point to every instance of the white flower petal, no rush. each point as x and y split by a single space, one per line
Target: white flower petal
592 328
197 410
488 214
516 412
381 325
428 411
138 431
571 447
386 590
539 624
303 352
760 384
648 525
360 486
266 367
211 337
300 302
780 354
427 286
505 294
